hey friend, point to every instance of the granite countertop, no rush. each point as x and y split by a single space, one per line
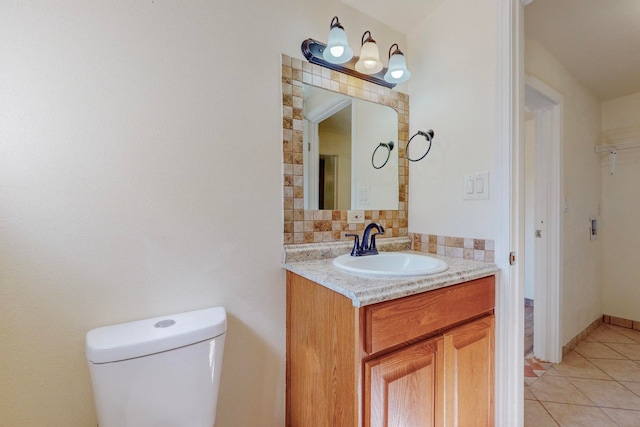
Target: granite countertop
365 290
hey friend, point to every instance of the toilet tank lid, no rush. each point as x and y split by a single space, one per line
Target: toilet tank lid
149 336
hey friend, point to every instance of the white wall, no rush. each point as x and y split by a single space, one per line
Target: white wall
620 212
529 205
452 91
581 280
140 174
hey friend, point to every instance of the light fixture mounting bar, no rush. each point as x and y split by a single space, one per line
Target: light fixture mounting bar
312 50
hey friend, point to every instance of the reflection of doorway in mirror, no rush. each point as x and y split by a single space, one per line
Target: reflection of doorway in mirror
334 139
350 128
327 180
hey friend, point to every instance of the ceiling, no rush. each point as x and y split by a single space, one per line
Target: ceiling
598 41
401 15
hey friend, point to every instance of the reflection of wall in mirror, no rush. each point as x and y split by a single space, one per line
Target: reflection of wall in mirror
376 188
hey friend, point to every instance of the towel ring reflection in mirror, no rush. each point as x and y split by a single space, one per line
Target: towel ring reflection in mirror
389 147
429 137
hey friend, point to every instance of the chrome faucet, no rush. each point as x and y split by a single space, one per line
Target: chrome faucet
368 246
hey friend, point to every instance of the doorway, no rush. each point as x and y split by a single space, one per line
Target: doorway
327 182
543 217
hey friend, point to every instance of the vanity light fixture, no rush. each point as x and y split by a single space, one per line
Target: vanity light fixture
397 71
338 55
338 50
369 62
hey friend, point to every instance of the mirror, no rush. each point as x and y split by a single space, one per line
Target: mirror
301 225
348 162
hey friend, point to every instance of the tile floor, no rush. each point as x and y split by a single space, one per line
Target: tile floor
597 384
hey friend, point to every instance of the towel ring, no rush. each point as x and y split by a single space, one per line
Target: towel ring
389 147
428 135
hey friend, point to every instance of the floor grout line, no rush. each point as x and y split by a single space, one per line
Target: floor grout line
579 364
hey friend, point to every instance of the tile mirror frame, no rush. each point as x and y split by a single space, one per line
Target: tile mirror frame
315 226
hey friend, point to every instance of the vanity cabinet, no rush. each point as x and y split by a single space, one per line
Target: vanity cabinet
420 360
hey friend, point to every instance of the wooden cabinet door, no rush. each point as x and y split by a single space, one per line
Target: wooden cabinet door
400 387
467 356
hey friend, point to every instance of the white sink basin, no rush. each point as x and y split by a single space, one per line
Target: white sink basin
390 264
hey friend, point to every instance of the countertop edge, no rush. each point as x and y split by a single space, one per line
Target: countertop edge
366 290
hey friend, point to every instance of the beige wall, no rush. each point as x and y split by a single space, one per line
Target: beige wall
620 230
141 174
452 91
581 280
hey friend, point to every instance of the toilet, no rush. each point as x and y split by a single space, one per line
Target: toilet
159 372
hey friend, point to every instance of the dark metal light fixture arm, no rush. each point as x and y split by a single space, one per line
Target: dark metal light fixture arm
312 50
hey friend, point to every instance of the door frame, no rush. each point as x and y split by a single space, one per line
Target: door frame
310 160
510 87
509 392
547 105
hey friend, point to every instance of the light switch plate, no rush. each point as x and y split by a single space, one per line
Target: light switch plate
476 186
363 196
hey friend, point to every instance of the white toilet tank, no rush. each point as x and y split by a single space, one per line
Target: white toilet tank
160 372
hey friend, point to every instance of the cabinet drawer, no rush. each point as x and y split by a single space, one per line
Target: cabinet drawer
391 323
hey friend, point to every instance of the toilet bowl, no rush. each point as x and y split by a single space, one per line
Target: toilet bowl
159 372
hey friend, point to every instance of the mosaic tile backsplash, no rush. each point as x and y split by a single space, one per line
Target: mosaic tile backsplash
315 226
458 247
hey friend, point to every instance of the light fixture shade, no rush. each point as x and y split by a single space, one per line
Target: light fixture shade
397 71
338 50
369 62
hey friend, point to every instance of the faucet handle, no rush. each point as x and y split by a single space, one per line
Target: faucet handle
356 243
372 246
